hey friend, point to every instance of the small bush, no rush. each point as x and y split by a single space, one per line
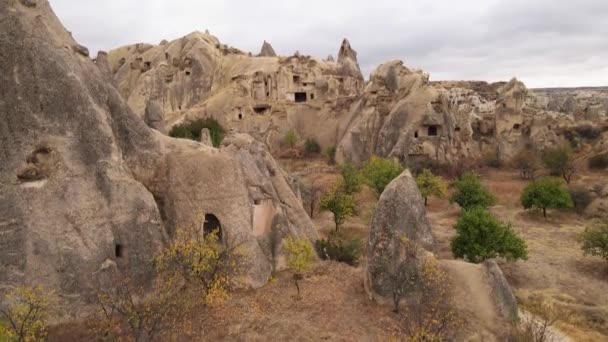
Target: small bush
595 240
192 130
379 172
340 248
581 197
599 161
311 146
492 159
481 236
351 178
469 193
331 154
291 138
545 193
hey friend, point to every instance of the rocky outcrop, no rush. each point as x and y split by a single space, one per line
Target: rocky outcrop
398 254
84 183
267 50
399 234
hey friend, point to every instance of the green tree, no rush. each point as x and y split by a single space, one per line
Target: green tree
351 178
481 236
331 154
26 312
546 193
430 185
291 138
300 256
379 172
339 203
469 193
595 240
560 161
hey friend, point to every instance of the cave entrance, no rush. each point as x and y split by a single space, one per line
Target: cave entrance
118 250
300 97
432 131
211 224
516 127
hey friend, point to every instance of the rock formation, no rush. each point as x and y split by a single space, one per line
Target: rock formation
400 243
196 77
267 50
84 182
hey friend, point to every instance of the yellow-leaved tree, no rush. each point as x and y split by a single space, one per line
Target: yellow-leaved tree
300 257
25 311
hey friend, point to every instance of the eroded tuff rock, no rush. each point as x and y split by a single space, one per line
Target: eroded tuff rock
195 77
84 183
267 50
400 245
399 230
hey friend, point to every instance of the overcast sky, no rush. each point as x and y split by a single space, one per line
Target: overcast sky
545 43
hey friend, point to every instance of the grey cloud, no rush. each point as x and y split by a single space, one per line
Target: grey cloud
543 42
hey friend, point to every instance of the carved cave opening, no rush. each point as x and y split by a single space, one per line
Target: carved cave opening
300 97
432 131
211 224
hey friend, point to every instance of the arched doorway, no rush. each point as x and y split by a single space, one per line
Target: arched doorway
212 223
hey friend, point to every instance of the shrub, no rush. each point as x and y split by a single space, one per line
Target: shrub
417 165
351 178
492 159
430 185
560 161
581 198
300 256
527 162
379 172
599 161
26 312
469 193
595 240
192 130
545 193
311 146
339 203
482 236
331 154
340 248
291 138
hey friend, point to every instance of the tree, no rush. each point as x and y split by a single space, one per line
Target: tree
125 310
300 256
331 154
201 259
469 193
379 172
26 311
527 162
481 236
595 240
546 193
339 203
351 178
430 185
560 161
291 138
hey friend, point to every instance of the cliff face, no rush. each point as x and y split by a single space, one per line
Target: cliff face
84 183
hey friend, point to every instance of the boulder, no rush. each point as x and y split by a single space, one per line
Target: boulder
400 231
